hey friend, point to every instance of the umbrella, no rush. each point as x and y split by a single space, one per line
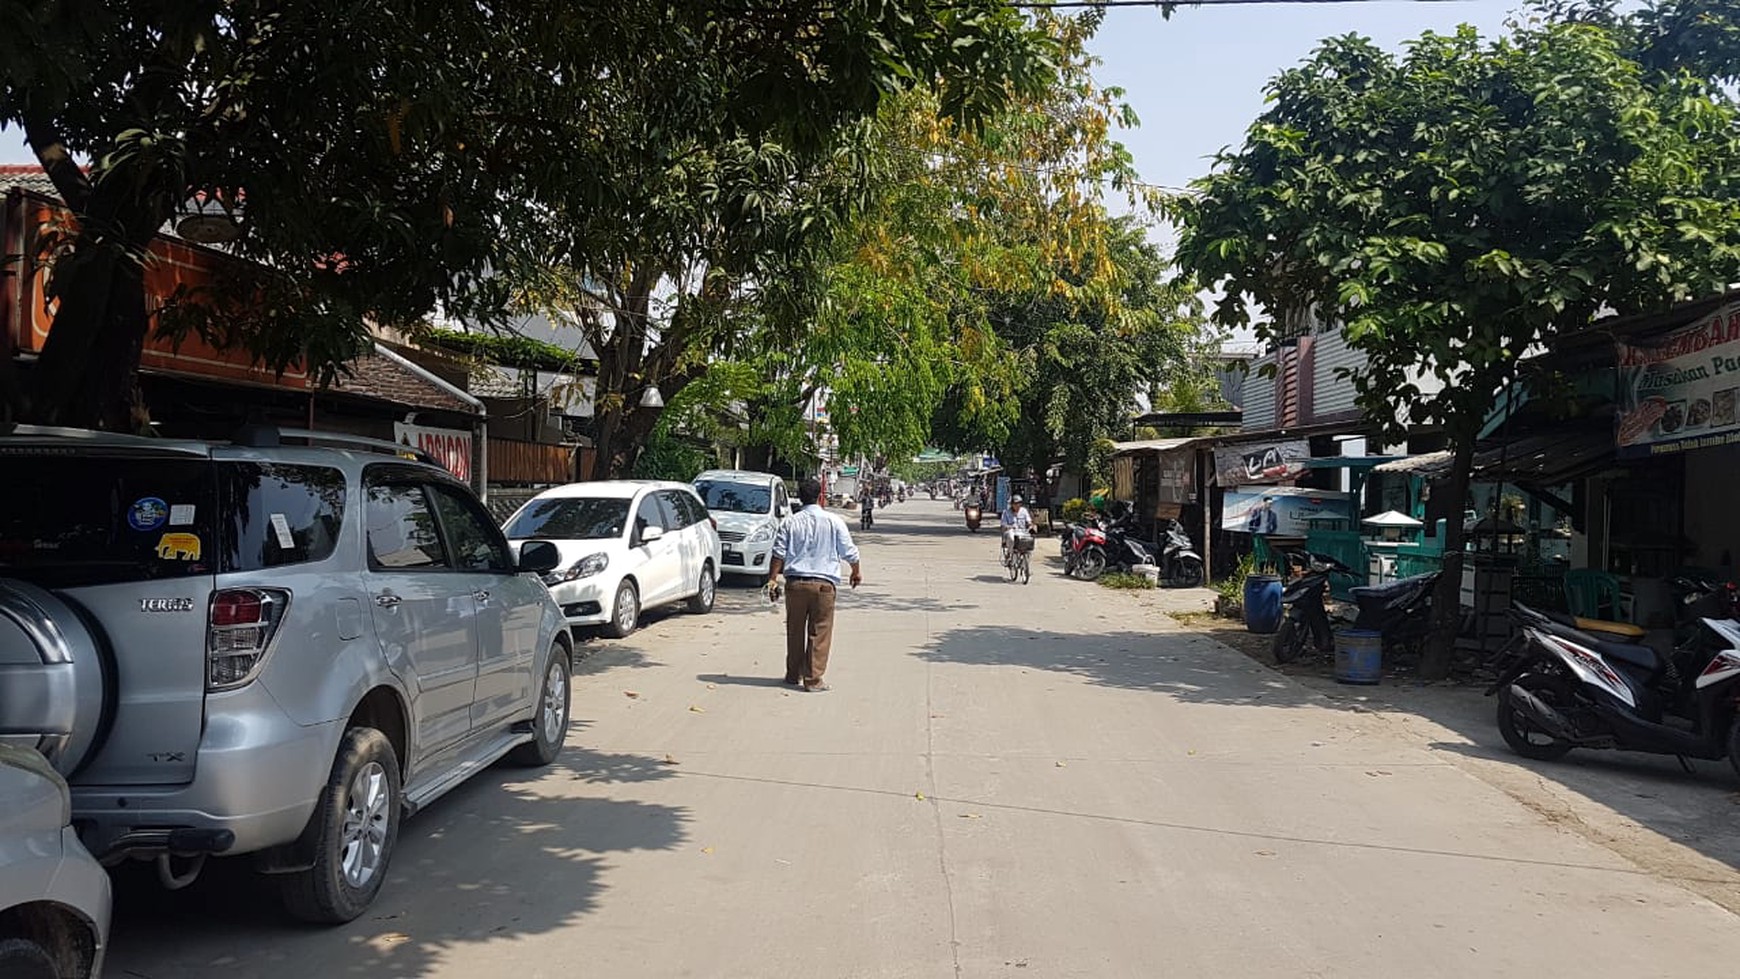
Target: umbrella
1392 518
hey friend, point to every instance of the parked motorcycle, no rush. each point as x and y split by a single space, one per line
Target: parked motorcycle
1084 550
974 515
1306 622
1400 611
1180 565
1571 687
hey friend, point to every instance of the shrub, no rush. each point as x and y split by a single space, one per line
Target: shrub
1232 587
1123 580
1073 510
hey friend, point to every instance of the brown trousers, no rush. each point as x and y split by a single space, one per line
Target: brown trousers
809 629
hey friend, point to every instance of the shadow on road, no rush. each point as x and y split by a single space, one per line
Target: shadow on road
518 852
727 680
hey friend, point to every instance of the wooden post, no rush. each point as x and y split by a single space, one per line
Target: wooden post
1205 469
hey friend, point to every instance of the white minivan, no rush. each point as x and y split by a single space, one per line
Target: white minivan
748 507
627 545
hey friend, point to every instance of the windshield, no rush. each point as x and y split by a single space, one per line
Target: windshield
70 521
733 497
570 518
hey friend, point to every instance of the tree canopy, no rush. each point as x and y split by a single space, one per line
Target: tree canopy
1451 207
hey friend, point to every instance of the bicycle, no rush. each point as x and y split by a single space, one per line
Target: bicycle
1020 564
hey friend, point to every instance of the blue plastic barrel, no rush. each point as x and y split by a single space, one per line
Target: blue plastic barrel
1359 656
1262 603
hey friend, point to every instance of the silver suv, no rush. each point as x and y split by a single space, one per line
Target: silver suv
259 648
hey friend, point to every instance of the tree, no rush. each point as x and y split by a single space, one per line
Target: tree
392 157
1456 205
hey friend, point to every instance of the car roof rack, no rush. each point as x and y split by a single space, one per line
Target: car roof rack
271 436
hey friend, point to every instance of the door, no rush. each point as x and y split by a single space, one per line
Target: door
423 613
679 512
510 607
660 562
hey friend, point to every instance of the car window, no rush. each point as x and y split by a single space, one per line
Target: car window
697 510
275 514
401 528
570 518
647 514
471 537
676 503
733 495
779 497
68 521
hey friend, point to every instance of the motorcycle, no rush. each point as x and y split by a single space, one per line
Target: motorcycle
974 515
1112 545
1180 565
1400 611
1572 687
1084 553
1307 617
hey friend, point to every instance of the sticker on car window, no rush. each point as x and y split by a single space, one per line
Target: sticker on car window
147 513
281 529
178 547
181 515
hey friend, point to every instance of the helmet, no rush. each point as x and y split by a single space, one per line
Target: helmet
1018 499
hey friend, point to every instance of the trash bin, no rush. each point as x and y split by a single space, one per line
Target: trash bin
1262 603
1359 656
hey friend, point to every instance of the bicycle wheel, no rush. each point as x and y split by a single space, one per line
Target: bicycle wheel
1026 568
1012 564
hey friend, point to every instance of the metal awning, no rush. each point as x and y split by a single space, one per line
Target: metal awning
1547 459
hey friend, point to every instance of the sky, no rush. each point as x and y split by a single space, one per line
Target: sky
1196 81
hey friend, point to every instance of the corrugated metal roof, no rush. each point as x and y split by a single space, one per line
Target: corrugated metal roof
1428 464
1156 445
26 176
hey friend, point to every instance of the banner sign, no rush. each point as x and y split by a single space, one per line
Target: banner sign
1283 511
1679 391
1175 484
451 447
1241 464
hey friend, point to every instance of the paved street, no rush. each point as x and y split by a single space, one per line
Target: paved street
1042 780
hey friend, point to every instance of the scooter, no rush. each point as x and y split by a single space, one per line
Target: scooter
1573 687
1306 622
1180 565
1400 611
974 516
1084 556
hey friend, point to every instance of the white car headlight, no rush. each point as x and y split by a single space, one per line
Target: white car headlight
586 567
762 534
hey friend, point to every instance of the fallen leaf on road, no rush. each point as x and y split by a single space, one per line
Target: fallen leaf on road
1316 744
1191 751
1265 853
669 760
631 693
706 849
1061 765
945 715
919 796
697 710
391 938
712 686
1375 774
971 815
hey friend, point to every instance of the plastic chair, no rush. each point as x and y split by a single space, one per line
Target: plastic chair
1591 594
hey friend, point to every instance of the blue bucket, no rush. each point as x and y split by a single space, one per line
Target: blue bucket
1262 603
1359 656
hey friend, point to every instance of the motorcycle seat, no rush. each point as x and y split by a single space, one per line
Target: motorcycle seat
1609 628
1633 653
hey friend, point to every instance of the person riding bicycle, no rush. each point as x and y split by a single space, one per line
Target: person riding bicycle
1017 519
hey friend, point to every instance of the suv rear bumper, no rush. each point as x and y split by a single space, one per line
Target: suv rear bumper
258 777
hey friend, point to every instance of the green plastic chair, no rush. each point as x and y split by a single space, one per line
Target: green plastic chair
1591 594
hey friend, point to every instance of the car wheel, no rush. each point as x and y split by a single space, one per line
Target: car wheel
705 592
550 722
356 824
21 958
625 612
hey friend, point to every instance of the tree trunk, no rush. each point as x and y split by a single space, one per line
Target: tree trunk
87 376
1446 600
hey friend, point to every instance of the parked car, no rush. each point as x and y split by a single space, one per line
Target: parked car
54 897
748 507
626 546
264 648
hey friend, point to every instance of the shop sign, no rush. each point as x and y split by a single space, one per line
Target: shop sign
1679 391
1175 483
1238 465
451 447
1282 511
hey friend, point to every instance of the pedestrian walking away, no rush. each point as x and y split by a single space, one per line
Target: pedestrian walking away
809 549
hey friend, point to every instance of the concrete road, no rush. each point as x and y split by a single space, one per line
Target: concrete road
1007 780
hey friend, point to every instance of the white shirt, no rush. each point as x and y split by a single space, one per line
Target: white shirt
812 543
1021 519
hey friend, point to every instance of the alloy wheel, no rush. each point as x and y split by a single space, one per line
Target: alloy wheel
367 815
555 702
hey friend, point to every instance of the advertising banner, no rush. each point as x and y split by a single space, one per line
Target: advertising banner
1282 511
1239 465
451 447
1679 391
1175 485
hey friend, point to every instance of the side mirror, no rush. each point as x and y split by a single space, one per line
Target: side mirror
539 556
651 534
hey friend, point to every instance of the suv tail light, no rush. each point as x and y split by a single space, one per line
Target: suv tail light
243 622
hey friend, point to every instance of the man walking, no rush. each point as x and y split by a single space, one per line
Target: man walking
809 548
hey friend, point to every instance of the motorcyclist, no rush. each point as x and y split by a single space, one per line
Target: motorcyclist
1016 519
